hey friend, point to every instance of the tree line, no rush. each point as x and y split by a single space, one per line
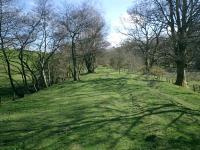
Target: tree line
44 45
166 33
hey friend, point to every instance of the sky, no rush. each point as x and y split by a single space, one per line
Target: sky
112 10
115 10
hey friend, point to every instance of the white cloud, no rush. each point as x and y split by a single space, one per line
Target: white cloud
115 38
117 28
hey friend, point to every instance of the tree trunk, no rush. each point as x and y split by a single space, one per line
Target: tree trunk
49 75
44 77
21 58
181 74
74 73
147 65
89 59
10 76
43 74
34 78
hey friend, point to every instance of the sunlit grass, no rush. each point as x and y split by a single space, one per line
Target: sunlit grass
105 110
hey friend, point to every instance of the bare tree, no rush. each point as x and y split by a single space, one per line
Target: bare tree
92 39
75 22
24 35
8 20
145 32
181 18
48 40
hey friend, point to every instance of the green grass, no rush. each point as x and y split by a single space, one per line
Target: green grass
105 110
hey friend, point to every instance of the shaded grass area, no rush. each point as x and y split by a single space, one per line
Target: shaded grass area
6 92
105 110
5 89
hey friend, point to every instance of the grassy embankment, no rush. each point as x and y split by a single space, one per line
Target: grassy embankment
6 92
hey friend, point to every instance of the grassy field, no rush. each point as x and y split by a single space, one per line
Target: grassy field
105 110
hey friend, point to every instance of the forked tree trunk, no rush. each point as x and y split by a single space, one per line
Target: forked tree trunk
34 78
43 74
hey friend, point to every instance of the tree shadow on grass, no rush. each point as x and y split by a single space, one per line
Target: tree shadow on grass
82 127
158 110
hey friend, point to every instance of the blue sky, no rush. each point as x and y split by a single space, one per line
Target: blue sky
112 11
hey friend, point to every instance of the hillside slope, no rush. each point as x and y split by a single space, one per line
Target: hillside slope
104 110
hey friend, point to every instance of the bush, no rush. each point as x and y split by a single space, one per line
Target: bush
157 71
143 70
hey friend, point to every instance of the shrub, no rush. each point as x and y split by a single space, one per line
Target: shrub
157 71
